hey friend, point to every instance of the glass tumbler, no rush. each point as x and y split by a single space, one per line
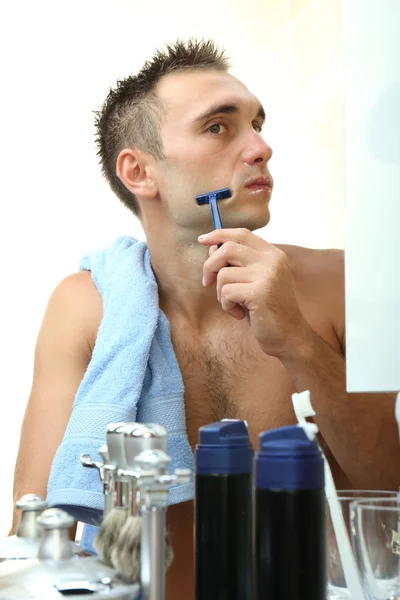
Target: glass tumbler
337 589
375 528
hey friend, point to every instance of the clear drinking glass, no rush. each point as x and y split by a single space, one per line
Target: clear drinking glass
375 528
337 589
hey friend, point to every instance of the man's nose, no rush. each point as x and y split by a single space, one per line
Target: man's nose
257 151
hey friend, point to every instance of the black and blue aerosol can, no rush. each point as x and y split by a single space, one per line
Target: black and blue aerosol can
223 512
289 516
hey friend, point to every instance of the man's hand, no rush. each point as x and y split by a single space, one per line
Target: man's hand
253 280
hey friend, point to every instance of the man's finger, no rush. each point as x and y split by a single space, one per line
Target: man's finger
230 254
238 235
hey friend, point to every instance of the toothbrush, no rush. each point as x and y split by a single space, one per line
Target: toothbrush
303 408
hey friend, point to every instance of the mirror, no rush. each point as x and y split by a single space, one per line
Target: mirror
62 57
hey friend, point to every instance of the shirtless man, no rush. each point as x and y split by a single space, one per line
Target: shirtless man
246 337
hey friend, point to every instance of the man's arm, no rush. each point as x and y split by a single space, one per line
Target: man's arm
359 429
63 351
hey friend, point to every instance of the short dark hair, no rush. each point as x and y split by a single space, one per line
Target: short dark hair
131 114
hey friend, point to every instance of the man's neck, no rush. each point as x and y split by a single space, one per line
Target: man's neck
178 268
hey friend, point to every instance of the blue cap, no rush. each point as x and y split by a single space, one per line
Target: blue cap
289 460
224 448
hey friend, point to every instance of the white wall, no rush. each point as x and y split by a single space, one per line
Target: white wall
372 185
61 58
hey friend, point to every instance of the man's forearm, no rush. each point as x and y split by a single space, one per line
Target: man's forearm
359 429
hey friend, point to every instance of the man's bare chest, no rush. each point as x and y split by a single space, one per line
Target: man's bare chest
228 376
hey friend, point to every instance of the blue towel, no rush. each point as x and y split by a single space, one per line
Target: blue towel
133 376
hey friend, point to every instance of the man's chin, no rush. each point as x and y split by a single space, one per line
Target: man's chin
251 221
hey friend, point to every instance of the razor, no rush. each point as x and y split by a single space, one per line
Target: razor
212 199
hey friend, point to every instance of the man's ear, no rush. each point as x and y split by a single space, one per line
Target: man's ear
135 173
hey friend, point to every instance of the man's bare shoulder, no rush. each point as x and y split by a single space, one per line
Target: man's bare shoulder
80 283
78 293
314 264
318 276
76 299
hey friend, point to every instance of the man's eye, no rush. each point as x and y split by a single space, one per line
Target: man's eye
257 127
216 128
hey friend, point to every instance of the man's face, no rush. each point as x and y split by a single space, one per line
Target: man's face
211 140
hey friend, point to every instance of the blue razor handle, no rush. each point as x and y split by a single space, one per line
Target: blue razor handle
215 212
212 198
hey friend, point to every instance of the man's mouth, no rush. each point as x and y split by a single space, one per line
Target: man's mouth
259 184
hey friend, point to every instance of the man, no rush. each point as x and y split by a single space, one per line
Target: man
250 322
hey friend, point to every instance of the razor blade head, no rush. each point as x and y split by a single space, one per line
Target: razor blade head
219 194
